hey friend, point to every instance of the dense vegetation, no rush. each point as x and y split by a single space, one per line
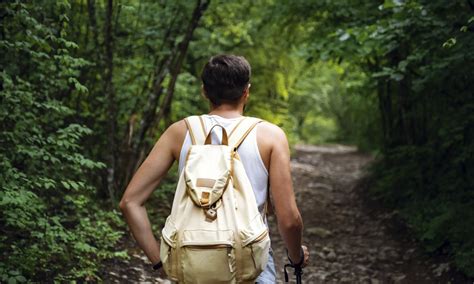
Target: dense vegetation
417 59
88 86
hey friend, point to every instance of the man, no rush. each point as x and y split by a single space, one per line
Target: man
264 153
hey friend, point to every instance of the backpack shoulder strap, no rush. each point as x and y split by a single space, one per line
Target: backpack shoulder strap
241 130
196 128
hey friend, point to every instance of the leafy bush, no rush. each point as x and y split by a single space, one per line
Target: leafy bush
423 184
51 226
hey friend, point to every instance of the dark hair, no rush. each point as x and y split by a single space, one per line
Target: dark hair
225 78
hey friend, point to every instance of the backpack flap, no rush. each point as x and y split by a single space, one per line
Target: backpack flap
207 171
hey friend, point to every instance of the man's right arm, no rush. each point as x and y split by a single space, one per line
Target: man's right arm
290 223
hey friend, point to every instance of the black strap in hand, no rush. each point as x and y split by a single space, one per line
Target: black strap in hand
298 267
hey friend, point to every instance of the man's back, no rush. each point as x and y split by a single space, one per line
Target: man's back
226 84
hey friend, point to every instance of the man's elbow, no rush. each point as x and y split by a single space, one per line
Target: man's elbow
293 223
124 205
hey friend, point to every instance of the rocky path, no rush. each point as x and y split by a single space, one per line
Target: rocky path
351 239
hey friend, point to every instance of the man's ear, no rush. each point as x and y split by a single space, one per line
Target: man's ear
246 96
246 93
203 93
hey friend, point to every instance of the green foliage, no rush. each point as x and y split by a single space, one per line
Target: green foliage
435 165
48 231
437 205
416 58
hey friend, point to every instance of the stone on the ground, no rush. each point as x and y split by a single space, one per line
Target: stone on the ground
331 256
397 279
440 269
374 281
318 231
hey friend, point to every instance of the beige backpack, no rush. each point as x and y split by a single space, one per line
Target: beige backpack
215 233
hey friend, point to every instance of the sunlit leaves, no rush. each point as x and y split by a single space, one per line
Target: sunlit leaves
449 43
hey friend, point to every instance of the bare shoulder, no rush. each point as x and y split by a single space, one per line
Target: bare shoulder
271 130
173 137
270 139
272 134
177 128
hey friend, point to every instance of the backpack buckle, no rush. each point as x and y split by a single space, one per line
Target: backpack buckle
211 214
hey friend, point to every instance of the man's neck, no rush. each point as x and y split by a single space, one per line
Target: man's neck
227 111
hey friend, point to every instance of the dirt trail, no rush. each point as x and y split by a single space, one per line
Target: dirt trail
351 239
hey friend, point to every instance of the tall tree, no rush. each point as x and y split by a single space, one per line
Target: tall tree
169 65
111 102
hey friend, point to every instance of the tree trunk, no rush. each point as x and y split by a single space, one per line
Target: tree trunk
111 107
93 23
183 47
170 65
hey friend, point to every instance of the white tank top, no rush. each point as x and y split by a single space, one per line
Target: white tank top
248 152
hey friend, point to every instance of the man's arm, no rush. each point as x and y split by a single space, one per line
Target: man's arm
145 180
290 223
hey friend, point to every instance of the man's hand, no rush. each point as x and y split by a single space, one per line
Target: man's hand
306 256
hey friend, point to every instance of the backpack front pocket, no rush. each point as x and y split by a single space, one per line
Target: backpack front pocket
208 264
207 256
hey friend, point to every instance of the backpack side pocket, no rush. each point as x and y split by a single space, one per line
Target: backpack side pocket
168 251
255 256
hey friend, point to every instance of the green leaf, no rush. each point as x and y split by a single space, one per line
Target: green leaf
449 43
66 184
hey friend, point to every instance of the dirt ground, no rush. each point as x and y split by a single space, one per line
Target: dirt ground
351 238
